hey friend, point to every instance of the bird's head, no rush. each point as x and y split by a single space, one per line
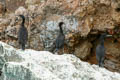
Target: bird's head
60 24
22 16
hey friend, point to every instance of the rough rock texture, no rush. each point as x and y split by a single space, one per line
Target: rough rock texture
83 51
80 16
83 18
111 57
43 65
17 3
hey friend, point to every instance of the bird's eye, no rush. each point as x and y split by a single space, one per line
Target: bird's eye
16 19
117 9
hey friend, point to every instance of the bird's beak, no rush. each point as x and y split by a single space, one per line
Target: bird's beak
16 19
108 35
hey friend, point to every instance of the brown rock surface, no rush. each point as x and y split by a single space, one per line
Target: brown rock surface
2 8
83 18
12 5
83 50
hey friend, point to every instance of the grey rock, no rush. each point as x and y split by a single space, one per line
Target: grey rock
43 65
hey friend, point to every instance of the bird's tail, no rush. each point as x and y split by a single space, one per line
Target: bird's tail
23 46
101 63
55 50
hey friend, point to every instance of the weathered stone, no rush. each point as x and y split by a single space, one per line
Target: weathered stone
2 8
83 50
7 53
106 2
112 54
36 42
81 17
43 65
4 24
31 2
21 11
12 5
112 49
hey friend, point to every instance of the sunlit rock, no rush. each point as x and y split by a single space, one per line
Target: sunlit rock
8 54
21 11
12 5
43 65
2 8
82 17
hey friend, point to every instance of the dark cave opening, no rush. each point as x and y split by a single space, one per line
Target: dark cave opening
112 45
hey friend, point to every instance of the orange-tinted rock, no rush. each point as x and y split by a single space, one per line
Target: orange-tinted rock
12 5
112 48
83 50
82 18
111 57
2 9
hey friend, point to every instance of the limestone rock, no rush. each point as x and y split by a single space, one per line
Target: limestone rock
31 2
8 53
12 5
43 65
81 17
2 8
4 23
21 11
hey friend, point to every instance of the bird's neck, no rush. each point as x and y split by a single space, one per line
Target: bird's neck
102 42
23 21
61 30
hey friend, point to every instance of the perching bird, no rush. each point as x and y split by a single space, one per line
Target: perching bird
22 34
117 9
59 42
100 50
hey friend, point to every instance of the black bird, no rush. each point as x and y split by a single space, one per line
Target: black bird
22 34
117 9
100 51
59 42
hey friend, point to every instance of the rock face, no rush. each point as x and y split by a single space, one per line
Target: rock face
43 16
43 65
83 51
10 7
82 18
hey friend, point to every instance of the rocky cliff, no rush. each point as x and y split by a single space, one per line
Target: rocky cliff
43 65
84 19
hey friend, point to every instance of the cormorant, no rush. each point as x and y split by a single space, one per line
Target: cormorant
22 34
117 9
100 50
59 42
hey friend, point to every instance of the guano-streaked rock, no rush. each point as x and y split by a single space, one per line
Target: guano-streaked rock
43 65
